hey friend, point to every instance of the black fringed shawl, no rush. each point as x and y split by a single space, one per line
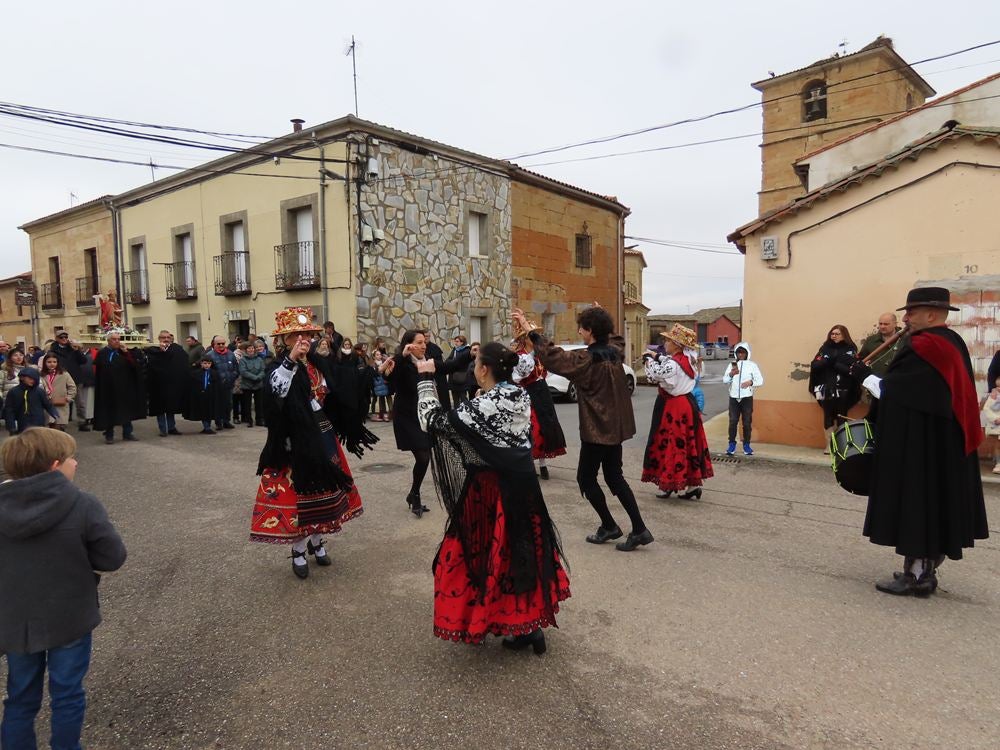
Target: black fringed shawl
458 454
294 433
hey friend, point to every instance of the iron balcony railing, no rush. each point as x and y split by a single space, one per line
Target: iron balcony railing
137 287
631 291
232 274
51 296
296 265
86 288
181 280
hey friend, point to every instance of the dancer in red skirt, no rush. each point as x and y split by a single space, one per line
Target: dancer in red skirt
306 489
498 570
677 455
547 438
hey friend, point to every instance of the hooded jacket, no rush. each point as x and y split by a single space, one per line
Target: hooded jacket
746 370
26 406
53 536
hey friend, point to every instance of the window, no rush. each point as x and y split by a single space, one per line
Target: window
814 101
478 329
584 256
137 278
184 253
909 101
475 234
722 339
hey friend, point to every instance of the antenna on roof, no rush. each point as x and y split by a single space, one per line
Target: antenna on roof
843 47
72 197
352 50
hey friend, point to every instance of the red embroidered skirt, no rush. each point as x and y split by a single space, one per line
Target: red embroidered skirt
540 447
677 452
282 516
460 613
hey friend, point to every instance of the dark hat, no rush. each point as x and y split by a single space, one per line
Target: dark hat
928 296
29 372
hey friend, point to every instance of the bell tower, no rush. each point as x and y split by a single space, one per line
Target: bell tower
824 102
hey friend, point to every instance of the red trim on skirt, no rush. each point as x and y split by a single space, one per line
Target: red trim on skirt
678 455
538 447
460 614
282 516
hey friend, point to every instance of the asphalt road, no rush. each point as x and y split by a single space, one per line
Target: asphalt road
751 622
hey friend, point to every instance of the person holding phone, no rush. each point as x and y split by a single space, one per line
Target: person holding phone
743 377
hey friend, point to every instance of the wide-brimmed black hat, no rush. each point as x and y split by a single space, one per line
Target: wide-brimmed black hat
928 296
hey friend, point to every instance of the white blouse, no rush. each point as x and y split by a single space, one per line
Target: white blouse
668 375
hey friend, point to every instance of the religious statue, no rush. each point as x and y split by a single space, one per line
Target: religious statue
111 311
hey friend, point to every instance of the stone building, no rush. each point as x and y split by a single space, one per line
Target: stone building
15 320
72 259
636 326
376 229
824 102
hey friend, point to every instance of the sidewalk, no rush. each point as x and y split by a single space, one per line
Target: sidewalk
716 430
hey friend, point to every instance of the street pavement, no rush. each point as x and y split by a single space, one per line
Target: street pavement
751 622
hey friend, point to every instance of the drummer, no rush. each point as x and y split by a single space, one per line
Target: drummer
926 493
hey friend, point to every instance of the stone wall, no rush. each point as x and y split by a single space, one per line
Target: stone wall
421 275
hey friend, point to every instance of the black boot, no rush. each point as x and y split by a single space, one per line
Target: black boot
543 472
535 639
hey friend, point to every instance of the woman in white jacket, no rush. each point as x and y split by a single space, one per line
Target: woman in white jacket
743 377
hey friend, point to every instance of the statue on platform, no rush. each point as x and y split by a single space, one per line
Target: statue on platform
111 311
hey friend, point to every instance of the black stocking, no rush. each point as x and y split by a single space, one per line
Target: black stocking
422 459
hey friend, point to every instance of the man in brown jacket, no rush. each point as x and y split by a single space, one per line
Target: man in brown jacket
606 418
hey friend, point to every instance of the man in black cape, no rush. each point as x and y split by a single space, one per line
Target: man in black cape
168 381
926 495
119 393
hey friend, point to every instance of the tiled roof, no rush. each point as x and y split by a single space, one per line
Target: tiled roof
704 316
881 42
82 207
911 151
926 105
16 278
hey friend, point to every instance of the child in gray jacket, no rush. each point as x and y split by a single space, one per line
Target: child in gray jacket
53 537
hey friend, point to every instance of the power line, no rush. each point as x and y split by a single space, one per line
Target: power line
733 110
681 246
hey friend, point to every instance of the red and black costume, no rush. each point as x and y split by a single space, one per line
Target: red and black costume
926 496
547 438
677 455
306 486
498 570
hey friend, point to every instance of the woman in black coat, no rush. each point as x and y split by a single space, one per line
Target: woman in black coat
834 391
401 374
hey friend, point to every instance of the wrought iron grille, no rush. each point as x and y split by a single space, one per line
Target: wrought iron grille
232 273
296 265
181 282
137 287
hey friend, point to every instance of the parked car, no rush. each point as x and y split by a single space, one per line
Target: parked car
559 386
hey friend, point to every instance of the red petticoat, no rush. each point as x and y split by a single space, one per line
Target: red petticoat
677 454
282 516
539 449
460 614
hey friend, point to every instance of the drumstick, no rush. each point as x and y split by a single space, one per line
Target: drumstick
886 344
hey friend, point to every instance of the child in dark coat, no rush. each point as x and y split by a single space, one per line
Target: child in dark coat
26 404
202 405
53 537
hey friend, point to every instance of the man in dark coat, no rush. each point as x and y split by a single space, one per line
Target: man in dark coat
227 369
194 351
926 496
119 395
167 382
74 361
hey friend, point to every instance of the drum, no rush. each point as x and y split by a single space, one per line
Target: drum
852 446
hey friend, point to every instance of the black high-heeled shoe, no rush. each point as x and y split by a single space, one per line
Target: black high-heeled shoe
416 507
694 494
300 571
321 560
535 639
662 495
543 472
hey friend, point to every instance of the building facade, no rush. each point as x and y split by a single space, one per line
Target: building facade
375 229
636 328
16 324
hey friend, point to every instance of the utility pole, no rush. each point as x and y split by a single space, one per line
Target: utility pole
353 52
152 169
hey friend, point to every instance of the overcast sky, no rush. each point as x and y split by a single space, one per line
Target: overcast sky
500 80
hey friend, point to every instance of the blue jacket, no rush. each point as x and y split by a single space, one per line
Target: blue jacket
226 367
26 406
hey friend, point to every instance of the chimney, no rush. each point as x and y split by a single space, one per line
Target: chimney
297 125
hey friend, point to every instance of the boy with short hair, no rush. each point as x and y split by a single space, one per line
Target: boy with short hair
27 405
53 537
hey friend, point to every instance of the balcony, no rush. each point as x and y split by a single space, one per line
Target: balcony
51 295
232 274
137 287
296 265
86 288
181 280
631 292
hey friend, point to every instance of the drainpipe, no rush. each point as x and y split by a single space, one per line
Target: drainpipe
621 274
322 230
116 228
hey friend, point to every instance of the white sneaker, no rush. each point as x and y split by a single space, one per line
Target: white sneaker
996 469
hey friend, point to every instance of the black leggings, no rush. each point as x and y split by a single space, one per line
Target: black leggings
422 459
594 457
